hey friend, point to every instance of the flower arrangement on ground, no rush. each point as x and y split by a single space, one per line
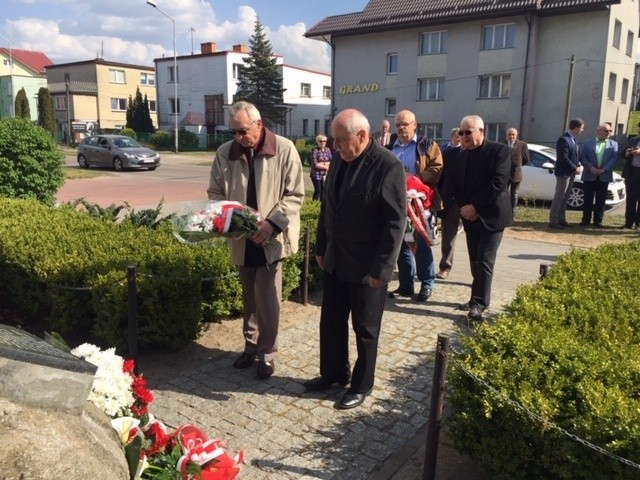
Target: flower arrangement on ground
218 219
152 450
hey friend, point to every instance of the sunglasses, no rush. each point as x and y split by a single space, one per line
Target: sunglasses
242 131
465 132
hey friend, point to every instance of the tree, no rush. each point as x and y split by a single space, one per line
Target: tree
260 81
22 105
46 113
138 115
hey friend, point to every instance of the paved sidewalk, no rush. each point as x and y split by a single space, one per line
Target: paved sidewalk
289 434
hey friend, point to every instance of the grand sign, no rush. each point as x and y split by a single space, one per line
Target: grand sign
364 88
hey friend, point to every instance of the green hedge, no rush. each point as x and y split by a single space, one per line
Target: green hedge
569 351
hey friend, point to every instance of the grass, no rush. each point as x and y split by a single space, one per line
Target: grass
77 173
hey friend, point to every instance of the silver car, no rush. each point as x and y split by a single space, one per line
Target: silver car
117 151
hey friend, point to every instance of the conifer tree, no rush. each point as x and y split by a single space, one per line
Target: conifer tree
138 115
260 81
46 112
22 105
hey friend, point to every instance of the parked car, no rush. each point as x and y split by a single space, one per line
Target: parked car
117 151
539 182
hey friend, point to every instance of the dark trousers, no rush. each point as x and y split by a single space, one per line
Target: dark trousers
482 246
513 194
366 306
449 223
632 207
592 189
318 187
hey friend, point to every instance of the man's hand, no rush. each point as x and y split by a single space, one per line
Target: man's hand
263 235
320 260
468 212
376 282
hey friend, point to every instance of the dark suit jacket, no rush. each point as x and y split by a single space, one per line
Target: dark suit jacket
445 184
632 143
487 192
567 160
359 235
519 157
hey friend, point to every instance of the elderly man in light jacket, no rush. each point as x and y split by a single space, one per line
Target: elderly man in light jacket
263 171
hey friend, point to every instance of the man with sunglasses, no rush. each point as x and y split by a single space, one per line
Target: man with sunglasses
480 187
264 171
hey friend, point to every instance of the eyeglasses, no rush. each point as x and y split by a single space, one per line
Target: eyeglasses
465 132
405 124
322 141
242 131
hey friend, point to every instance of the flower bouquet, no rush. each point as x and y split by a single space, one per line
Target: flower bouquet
218 219
419 217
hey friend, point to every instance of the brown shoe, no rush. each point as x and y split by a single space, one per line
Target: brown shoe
442 274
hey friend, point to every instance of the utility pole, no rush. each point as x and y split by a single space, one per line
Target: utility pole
67 82
191 29
569 91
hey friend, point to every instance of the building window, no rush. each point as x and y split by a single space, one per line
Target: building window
495 131
117 76
152 105
316 127
327 125
617 33
305 89
431 89
147 79
624 93
390 106
495 86
392 64
236 70
611 94
61 103
119 104
630 38
172 106
432 43
326 92
305 127
433 130
498 36
5 62
171 76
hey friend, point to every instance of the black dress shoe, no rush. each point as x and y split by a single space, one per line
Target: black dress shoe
598 225
351 400
565 224
401 292
423 295
245 360
628 226
266 369
321 384
556 226
475 314
584 224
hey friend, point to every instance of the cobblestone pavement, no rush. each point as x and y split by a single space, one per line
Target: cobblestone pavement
289 434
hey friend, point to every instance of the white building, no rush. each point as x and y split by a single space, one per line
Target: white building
524 63
207 83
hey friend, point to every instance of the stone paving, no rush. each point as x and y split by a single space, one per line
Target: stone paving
289 434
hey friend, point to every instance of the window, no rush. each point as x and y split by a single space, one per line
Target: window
326 92
617 32
431 89
495 131
392 64
433 130
118 104
117 76
327 125
236 70
630 38
147 79
152 105
305 126
611 94
432 43
498 36
305 89
390 106
172 106
61 103
625 91
171 76
316 127
495 86
5 62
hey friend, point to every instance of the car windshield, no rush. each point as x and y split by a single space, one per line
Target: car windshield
126 143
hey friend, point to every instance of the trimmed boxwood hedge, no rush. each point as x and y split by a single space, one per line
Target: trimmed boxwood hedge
568 350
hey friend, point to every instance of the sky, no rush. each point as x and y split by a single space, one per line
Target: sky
130 31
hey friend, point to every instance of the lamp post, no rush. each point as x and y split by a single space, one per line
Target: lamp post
175 73
12 107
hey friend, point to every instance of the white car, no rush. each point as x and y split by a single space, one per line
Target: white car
539 182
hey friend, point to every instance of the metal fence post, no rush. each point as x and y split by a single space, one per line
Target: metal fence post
132 291
305 275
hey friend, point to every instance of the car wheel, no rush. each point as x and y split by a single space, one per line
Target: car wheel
117 164
151 169
576 197
82 161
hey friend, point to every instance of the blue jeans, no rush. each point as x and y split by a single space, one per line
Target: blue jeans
421 262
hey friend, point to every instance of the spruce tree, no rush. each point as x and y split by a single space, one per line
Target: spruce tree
138 115
46 112
22 105
260 80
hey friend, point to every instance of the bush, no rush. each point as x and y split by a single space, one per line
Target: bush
305 152
161 140
187 141
569 351
129 132
30 163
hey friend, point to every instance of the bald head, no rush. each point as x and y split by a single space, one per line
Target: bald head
350 130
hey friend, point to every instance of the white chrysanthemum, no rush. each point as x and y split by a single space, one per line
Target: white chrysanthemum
85 350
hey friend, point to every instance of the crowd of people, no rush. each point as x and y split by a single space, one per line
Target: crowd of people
368 184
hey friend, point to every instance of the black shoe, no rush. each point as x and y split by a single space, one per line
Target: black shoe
401 292
320 384
584 224
351 400
565 224
245 360
598 225
475 314
627 226
556 226
423 295
266 369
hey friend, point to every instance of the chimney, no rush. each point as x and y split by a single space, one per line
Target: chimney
207 47
241 48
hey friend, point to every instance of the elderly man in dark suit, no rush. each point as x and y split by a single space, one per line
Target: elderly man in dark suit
360 229
631 174
483 169
519 157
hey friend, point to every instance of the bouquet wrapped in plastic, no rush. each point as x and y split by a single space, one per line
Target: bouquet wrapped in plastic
419 218
218 219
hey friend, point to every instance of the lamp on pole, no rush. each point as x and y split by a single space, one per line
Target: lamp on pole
175 73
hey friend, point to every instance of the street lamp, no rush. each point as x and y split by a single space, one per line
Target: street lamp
175 72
